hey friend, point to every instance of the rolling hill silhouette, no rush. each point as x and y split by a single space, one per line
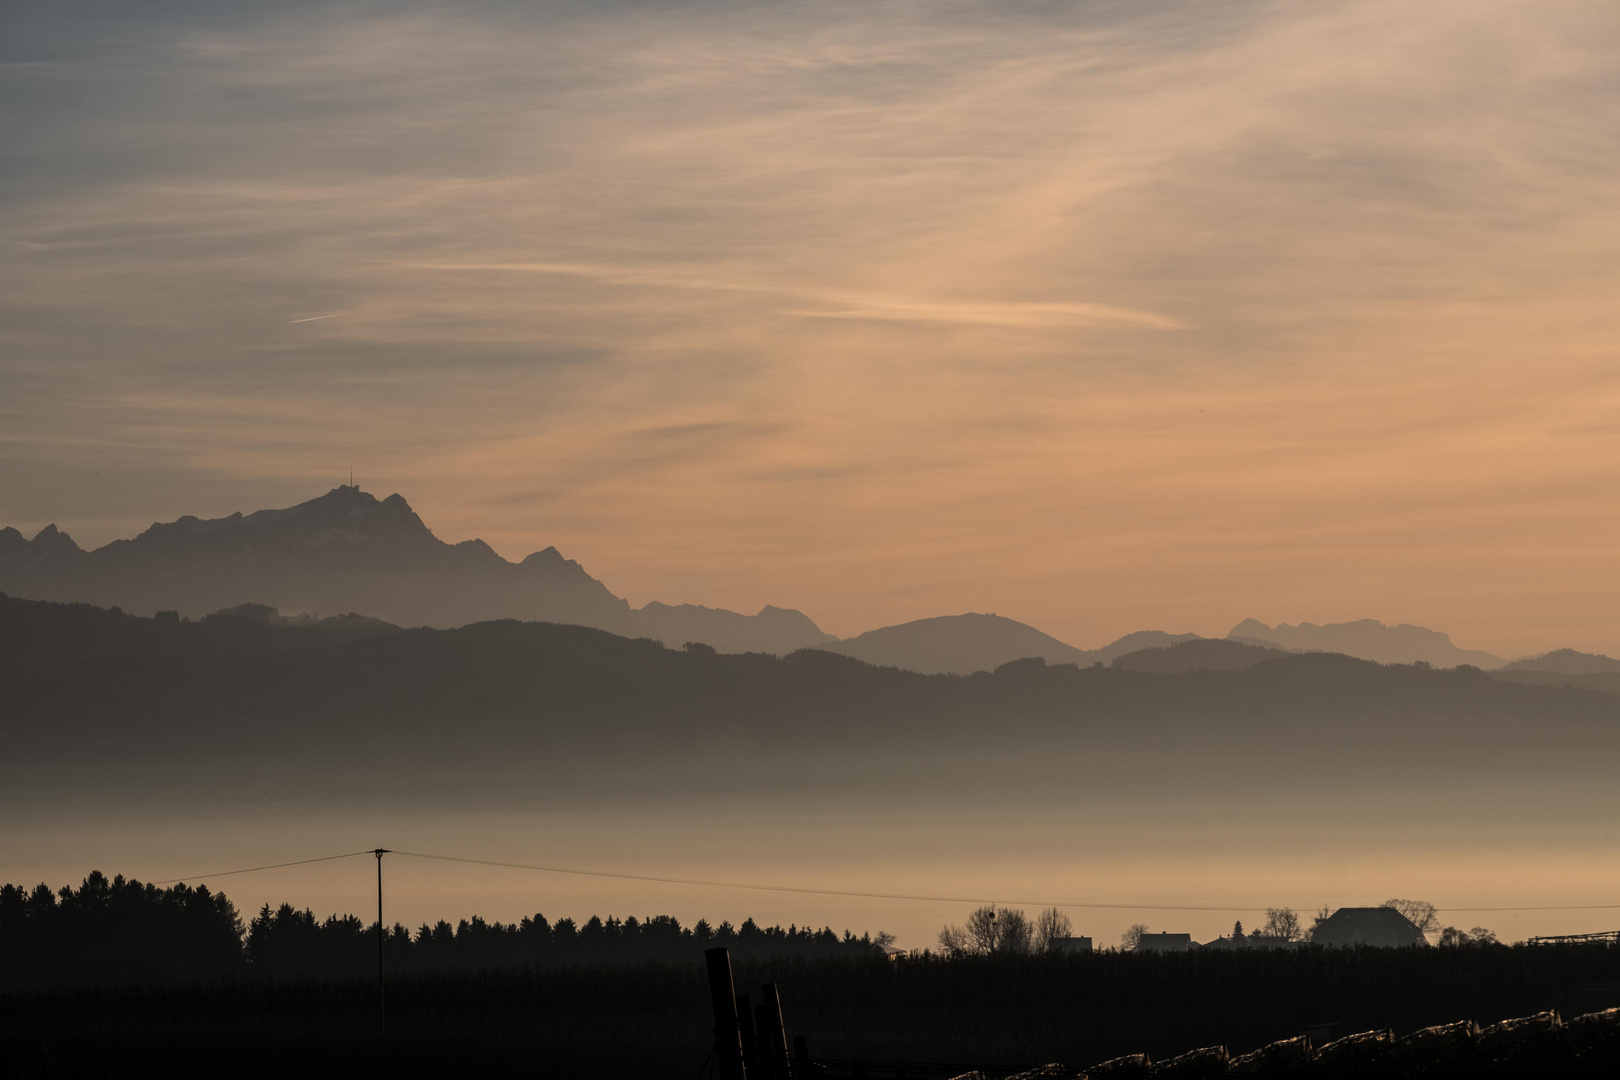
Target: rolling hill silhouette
84 689
963 644
1566 662
1201 654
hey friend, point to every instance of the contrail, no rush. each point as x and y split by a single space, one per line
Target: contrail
317 318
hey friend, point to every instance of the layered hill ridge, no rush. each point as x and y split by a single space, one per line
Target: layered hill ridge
80 685
348 551
1566 662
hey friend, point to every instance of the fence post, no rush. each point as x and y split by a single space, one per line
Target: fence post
728 1054
762 1037
750 1038
801 1053
774 1040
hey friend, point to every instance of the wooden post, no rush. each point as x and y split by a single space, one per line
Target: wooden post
382 936
772 1037
750 1040
762 1038
728 1053
801 1053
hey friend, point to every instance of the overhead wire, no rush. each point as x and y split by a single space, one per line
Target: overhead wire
921 896
809 891
817 892
252 869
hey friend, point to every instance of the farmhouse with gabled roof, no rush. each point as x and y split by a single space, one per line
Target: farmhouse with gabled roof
1380 927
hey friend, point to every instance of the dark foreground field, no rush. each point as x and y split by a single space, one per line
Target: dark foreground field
653 1021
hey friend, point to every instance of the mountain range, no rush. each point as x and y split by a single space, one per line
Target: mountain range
348 551
1368 639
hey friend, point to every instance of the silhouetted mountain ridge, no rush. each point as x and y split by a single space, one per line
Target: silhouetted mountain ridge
1367 639
350 551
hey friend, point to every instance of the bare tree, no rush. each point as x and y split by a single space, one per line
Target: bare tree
1050 925
1451 936
1421 913
1132 938
1282 923
1322 915
988 930
1013 931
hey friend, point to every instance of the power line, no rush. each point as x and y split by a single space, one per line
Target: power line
821 892
805 891
252 869
1538 907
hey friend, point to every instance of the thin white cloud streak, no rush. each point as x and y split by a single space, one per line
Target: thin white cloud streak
859 307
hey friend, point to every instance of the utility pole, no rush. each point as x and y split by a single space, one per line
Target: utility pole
382 1005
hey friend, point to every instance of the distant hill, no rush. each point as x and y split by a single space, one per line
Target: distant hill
1204 654
1565 667
1367 639
773 630
348 551
1607 682
1566 662
963 644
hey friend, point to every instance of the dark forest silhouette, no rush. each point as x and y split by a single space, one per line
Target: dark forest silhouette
119 931
655 1019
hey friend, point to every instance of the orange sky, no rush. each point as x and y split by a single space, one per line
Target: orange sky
1136 315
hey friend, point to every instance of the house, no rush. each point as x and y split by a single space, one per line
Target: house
1071 944
1164 943
1380 927
1250 941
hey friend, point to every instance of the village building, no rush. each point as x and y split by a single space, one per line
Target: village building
1380 927
1164 943
1251 941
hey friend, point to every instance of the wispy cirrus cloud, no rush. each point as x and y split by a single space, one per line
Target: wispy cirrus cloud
841 306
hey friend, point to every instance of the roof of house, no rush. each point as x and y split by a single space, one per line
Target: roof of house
1251 941
1377 926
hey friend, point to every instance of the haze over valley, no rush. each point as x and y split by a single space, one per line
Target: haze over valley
965 752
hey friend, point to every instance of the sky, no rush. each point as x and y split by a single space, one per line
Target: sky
1102 316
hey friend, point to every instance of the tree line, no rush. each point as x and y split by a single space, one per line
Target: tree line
119 931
